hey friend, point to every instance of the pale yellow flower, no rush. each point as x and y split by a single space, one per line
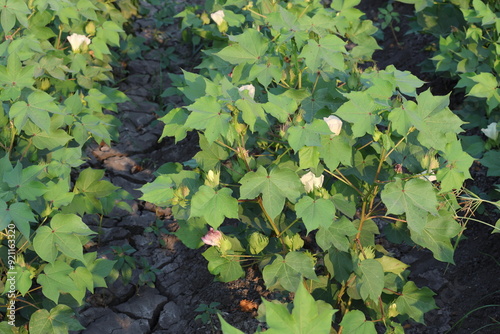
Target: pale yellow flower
218 17
77 41
310 181
249 88
334 123
491 131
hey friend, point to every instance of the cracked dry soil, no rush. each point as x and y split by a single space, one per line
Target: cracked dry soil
183 281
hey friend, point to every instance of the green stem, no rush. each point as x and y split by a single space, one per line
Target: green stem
271 221
479 221
343 179
288 227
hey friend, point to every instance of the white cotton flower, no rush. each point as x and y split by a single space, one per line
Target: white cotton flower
249 88
334 123
310 181
218 17
77 41
491 131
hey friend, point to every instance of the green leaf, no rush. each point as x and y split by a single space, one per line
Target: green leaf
486 85
109 31
84 281
23 279
214 205
50 140
228 268
416 198
174 124
12 10
370 280
335 150
354 322
275 187
89 183
308 316
392 265
24 180
22 215
208 114
267 72
15 77
327 51
491 160
308 157
415 302
58 193
191 231
197 86
456 171
315 212
280 106
253 114
36 109
288 272
339 265
307 134
60 319
55 279
158 192
336 235
100 269
249 47
434 120
62 235
436 235
211 154
362 111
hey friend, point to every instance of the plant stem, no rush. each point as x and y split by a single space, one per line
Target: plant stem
343 179
271 221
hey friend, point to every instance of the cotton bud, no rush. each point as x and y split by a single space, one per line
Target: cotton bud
249 88
90 28
78 42
310 181
334 123
491 131
212 179
393 310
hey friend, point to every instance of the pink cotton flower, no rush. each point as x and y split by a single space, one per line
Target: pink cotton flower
212 238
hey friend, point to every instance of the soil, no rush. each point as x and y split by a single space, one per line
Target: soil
467 293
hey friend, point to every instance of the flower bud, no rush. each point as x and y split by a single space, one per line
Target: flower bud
44 84
212 179
90 28
334 123
310 181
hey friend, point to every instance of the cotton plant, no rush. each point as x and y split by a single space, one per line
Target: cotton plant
310 153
